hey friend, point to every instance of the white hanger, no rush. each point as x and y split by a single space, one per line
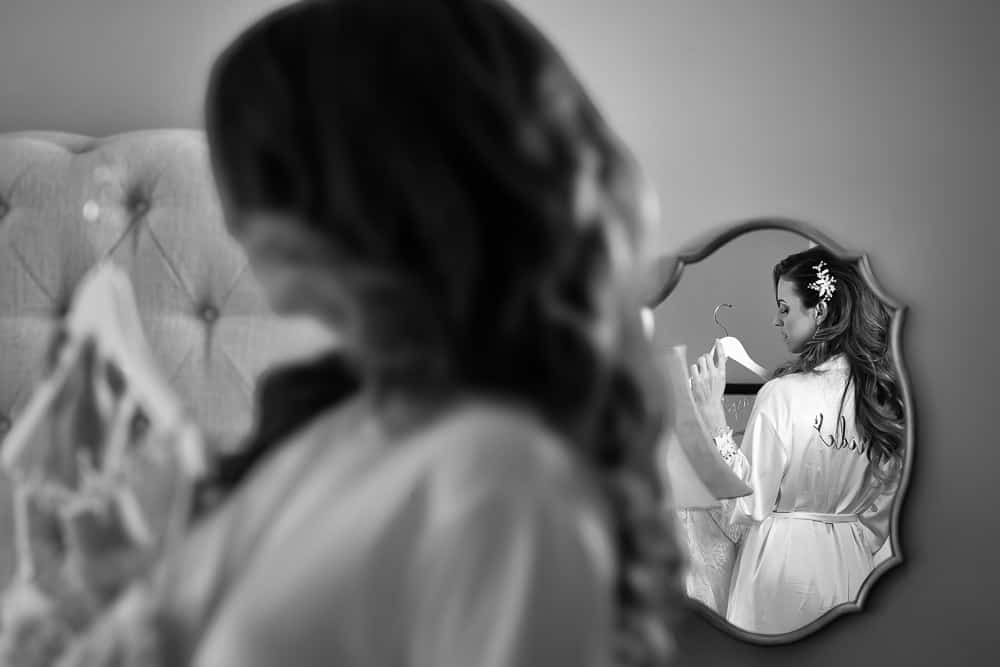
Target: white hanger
698 475
104 309
734 349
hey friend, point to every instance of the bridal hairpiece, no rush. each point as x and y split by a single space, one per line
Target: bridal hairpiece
824 283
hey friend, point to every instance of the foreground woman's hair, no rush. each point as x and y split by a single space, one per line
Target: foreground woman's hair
485 222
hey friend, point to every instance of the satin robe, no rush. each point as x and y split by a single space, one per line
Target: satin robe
817 515
477 541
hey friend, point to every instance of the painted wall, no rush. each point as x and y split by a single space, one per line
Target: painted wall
100 67
875 120
738 274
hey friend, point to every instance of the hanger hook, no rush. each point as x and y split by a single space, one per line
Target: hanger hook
716 315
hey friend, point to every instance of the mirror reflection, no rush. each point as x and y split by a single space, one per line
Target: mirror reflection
785 351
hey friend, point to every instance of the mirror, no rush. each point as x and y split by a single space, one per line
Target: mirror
788 494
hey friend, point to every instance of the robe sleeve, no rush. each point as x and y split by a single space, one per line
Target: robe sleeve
760 462
728 516
877 515
766 459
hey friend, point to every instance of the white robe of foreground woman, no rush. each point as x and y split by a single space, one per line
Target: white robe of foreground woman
478 540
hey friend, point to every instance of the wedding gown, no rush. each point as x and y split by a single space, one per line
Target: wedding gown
817 515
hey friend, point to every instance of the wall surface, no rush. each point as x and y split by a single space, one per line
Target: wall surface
874 120
100 67
738 274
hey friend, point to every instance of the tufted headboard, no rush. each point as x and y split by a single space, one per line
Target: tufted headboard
144 200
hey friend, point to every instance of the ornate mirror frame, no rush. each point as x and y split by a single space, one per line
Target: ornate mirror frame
668 271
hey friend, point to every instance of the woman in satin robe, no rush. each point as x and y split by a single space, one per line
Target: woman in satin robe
821 449
430 180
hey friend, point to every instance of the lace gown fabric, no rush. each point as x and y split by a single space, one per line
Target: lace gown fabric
712 555
817 515
710 536
456 547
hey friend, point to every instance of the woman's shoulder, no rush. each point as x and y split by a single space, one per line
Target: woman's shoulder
488 446
504 462
504 438
781 388
794 393
778 396
791 385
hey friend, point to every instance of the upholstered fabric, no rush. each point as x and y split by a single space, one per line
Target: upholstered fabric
145 201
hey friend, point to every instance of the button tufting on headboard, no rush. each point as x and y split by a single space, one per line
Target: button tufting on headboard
137 203
82 145
188 254
73 197
60 309
209 313
140 424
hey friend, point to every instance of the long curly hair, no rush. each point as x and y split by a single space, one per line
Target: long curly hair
488 223
856 325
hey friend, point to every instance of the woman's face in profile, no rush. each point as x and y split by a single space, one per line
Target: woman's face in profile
796 322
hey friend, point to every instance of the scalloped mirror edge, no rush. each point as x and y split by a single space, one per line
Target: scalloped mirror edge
668 271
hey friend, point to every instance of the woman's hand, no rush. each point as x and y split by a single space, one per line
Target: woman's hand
708 384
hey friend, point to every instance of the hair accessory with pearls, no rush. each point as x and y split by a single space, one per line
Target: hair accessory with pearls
824 283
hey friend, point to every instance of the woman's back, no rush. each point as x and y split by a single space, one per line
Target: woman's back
811 543
475 540
826 468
